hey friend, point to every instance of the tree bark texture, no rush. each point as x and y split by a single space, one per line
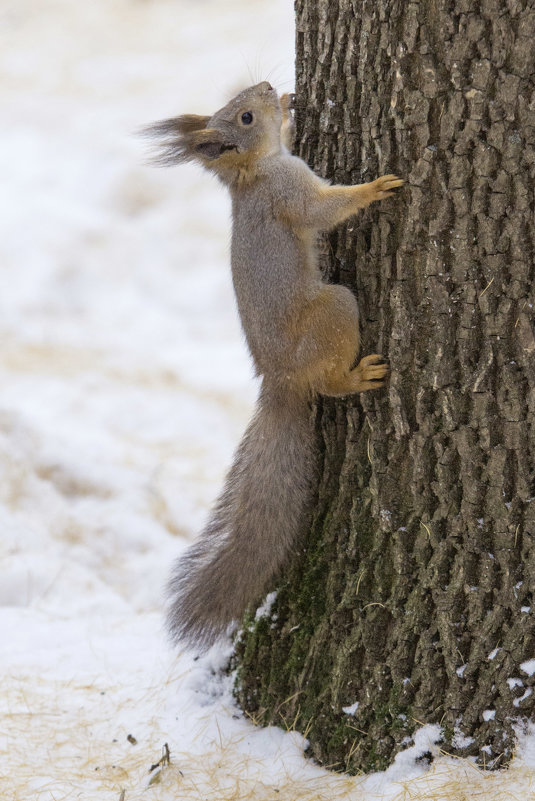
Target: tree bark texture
412 599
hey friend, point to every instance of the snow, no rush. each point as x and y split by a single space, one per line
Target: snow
264 610
527 692
460 740
528 667
125 388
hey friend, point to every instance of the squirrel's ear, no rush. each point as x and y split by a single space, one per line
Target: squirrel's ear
208 144
186 138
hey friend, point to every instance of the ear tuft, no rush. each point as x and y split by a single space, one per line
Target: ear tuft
188 123
176 126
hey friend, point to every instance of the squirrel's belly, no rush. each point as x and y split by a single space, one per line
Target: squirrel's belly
266 322
269 276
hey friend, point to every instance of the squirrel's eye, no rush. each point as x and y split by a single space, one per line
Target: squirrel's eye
247 118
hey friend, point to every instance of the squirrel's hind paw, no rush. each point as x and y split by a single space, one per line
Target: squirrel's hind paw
370 372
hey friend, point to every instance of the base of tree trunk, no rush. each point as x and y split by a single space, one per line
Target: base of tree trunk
361 645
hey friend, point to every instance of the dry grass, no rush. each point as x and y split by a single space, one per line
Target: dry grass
67 742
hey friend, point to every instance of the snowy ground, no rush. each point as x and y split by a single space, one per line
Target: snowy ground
125 387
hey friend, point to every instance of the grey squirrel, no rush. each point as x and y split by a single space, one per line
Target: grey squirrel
303 335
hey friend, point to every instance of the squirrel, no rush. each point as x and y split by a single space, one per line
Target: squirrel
303 335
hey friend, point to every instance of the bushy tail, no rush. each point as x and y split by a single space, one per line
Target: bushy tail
256 522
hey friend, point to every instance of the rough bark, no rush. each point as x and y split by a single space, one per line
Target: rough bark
413 594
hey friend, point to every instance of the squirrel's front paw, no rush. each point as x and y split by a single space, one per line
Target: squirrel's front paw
383 187
287 102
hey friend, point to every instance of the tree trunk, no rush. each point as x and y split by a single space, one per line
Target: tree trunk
412 600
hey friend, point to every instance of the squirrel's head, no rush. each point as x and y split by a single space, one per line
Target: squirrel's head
246 129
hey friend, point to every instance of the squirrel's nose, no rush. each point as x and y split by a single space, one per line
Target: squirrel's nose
265 87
